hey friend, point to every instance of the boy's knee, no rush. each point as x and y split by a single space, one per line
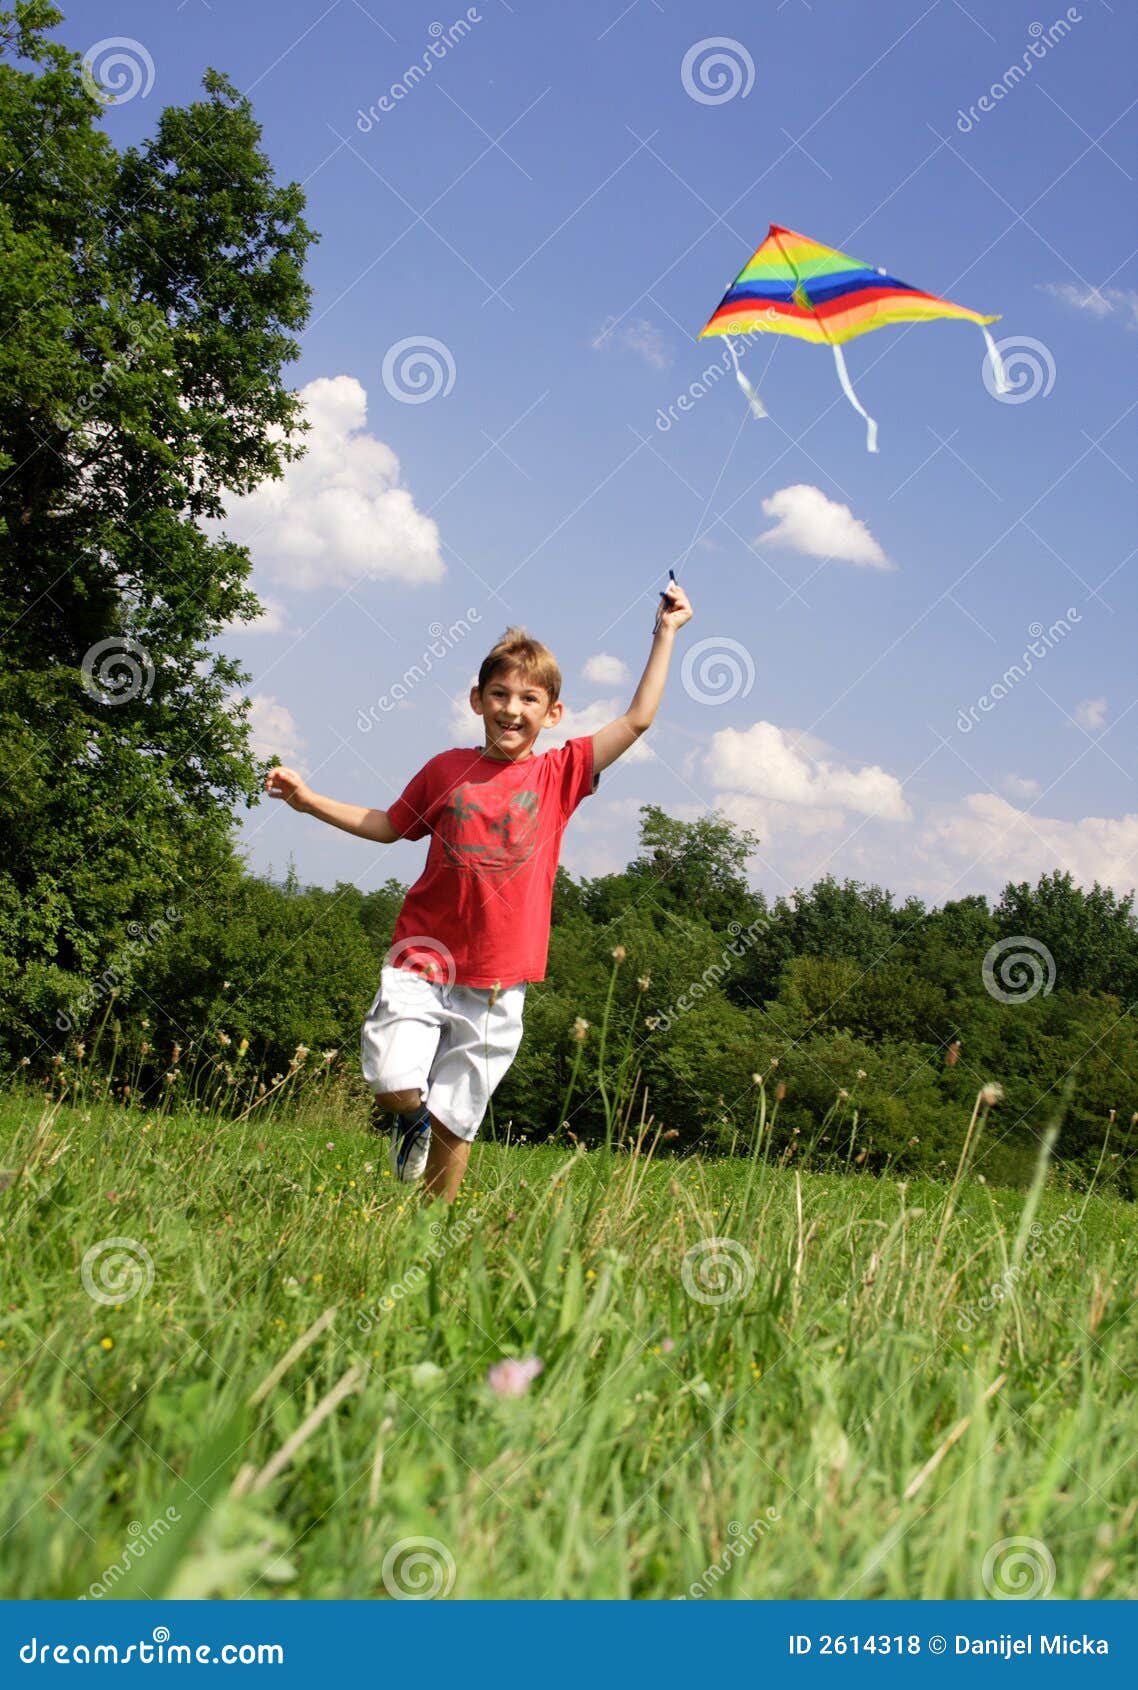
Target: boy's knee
402 1102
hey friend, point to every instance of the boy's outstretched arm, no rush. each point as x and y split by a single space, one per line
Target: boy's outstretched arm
353 818
613 740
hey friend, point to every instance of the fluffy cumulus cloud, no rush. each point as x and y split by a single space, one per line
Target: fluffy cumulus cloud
605 671
339 514
1091 714
792 771
466 727
807 521
273 730
987 838
1120 303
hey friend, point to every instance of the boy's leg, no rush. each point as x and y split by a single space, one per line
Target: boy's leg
480 1040
446 1162
398 1041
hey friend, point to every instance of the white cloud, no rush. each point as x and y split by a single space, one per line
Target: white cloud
1020 786
1091 713
273 730
767 762
1098 302
606 671
639 335
339 515
466 727
807 521
272 620
987 833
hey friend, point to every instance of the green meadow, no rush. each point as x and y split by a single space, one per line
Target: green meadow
239 1360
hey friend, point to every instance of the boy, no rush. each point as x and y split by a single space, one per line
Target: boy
474 929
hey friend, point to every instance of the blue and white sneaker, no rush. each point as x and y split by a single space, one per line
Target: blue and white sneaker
410 1142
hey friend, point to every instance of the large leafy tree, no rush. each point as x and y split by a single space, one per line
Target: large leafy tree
148 303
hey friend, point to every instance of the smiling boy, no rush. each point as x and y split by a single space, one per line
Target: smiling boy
473 931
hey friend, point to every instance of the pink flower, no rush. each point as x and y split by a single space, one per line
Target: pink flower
510 1378
667 1344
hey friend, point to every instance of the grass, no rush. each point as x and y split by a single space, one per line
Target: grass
302 1388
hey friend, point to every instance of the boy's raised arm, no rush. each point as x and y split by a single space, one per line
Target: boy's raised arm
613 740
352 818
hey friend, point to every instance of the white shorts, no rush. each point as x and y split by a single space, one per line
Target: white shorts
444 1042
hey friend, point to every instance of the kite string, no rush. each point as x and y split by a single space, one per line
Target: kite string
847 389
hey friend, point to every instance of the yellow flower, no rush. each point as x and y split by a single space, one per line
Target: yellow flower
107 1343
618 953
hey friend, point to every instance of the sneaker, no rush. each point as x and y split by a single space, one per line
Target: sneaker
410 1142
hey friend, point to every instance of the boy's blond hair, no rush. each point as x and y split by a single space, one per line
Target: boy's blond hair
534 662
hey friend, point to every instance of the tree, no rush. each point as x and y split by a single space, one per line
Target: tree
695 867
1092 935
148 302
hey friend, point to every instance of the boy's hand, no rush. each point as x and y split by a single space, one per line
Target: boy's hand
287 784
674 608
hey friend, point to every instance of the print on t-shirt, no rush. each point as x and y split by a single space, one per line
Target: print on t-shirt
487 833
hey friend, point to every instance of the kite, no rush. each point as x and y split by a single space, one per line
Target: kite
793 285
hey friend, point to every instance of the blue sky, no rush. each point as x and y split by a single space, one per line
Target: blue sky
556 207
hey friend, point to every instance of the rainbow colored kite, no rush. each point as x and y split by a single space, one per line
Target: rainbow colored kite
793 285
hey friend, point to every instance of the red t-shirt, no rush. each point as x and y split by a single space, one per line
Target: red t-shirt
479 913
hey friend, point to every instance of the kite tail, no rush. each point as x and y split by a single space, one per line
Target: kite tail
998 375
758 409
847 389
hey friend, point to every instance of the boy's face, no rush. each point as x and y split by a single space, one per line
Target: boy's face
514 712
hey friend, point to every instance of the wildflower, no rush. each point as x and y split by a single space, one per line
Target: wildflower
990 1095
913 1142
859 1159
81 1051
330 1145
667 1345
861 1074
780 1091
224 1040
644 981
843 1094
144 1048
25 1062
176 1055
261 1088
618 953
144 1022
1110 1119
580 1028
952 1054
300 1053
756 1079
57 1061
1133 1118
651 1022
511 1378
980 1180
106 1343
774 1061
225 985
242 1047
672 1132
169 1078
331 1055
